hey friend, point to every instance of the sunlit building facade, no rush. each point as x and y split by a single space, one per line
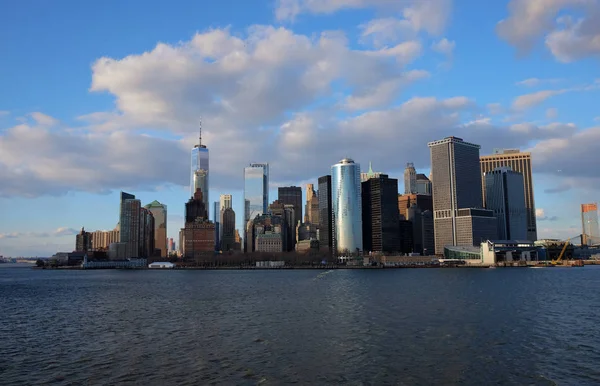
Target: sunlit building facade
200 170
347 207
159 211
589 222
256 189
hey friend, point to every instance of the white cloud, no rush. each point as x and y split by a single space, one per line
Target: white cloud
526 101
386 30
576 40
62 231
444 46
272 95
43 119
4 112
384 92
530 100
533 82
540 214
431 16
529 20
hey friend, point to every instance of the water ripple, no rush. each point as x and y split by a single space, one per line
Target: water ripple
350 327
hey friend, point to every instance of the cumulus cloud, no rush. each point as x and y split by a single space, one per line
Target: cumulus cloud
575 40
568 40
554 156
430 16
67 161
383 31
444 46
298 102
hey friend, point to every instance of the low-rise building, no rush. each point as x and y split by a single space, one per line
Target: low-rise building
269 242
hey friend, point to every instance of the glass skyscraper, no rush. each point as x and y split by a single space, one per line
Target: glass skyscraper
199 170
256 190
347 207
589 222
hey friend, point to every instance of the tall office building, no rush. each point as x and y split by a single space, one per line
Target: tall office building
347 207
129 222
228 225
589 222
256 189
325 214
146 246
159 212
199 170
423 185
410 179
519 162
292 195
225 201
369 174
505 195
218 220
459 219
312 205
380 216
199 231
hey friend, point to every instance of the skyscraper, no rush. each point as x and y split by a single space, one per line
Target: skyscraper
505 195
130 224
292 195
217 219
589 222
199 231
228 225
347 206
199 170
159 212
225 201
457 198
380 216
410 179
256 189
519 162
312 205
423 185
369 174
325 213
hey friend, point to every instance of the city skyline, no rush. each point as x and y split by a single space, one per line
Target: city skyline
128 122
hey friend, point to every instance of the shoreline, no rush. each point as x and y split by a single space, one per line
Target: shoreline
322 268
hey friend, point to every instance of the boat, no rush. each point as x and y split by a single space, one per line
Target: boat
492 266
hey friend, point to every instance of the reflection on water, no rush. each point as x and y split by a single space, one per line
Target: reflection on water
363 327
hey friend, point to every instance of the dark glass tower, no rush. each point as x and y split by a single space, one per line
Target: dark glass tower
380 216
325 214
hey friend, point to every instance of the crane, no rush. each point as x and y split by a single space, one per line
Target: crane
562 252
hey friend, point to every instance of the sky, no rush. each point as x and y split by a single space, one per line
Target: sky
99 97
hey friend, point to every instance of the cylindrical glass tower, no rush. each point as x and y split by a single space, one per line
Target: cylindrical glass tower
347 207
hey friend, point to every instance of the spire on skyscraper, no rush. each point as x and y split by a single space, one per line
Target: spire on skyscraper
200 134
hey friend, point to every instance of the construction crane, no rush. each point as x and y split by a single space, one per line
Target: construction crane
562 252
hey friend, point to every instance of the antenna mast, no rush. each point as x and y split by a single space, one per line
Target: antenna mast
200 136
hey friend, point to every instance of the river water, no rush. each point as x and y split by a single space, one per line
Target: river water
507 326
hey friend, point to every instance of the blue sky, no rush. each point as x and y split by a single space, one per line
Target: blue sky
101 97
